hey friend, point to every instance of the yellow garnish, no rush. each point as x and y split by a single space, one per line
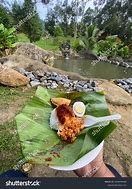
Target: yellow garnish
78 109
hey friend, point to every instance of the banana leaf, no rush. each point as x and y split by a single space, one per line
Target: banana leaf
41 144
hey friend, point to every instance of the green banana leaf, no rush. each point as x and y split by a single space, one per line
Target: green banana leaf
41 144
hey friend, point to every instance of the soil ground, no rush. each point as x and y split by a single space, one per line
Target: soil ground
117 148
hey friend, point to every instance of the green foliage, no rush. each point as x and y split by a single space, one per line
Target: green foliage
89 41
58 40
22 38
45 43
124 52
48 44
5 17
17 13
50 23
112 46
115 18
76 45
58 31
7 38
32 27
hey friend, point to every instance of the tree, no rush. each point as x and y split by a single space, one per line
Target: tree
33 26
115 19
50 23
67 14
58 31
5 17
88 17
17 13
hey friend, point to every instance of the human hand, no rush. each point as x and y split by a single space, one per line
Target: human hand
96 168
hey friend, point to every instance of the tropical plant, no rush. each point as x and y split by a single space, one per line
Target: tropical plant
7 39
112 46
89 41
76 45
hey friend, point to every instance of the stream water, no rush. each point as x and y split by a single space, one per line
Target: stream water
86 68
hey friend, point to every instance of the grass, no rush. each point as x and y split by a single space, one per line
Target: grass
48 44
10 149
22 37
10 146
9 94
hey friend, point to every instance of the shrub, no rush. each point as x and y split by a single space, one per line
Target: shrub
7 39
58 41
76 45
112 46
58 31
124 52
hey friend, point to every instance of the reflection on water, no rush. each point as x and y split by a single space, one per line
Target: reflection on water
100 70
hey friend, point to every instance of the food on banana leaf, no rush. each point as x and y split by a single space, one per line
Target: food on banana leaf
67 124
60 101
39 142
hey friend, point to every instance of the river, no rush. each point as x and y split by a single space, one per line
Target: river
86 68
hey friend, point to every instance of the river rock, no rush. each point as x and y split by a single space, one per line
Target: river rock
93 84
54 85
66 85
22 71
11 77
129 81
35 83
79 88
85 86
82 83
31 76
39 73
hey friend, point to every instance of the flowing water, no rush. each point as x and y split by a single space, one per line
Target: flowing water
87 68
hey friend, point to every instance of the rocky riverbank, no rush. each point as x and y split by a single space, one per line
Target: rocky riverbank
30 60
125 84
54 80
117 61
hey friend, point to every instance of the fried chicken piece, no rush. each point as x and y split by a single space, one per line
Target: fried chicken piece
70 125
60 101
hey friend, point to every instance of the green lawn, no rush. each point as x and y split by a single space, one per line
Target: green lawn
22 38
48 44
10 149
10 146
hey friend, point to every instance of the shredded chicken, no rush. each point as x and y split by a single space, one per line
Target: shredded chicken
70 125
